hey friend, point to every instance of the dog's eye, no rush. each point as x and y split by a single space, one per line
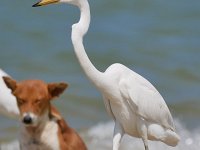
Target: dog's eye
37 101
21 101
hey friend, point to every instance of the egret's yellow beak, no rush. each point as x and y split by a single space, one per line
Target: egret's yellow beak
45 2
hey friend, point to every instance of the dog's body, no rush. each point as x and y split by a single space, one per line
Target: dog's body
43 128
54 134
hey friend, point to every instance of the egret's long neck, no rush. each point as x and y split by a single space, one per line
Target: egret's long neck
78 31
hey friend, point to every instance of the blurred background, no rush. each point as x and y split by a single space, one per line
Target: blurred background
158 39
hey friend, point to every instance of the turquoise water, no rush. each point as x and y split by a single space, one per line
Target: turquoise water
157 39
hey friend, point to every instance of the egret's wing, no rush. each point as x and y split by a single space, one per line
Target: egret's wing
8 104
145 100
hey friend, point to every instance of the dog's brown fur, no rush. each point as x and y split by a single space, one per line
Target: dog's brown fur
67 135
34 96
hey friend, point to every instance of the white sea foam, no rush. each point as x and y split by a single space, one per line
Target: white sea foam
99 137
10 146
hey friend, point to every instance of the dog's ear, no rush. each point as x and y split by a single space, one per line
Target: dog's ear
55 89
10 83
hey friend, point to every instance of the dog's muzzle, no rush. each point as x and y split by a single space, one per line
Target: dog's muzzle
27 120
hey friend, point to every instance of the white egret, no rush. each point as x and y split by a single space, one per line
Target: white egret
134 104
8 103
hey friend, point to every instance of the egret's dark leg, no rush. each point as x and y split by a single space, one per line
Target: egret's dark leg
142 130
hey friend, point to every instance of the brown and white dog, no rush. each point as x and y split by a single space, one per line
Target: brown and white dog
43 128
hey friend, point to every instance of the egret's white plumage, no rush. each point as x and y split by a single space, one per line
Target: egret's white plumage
8 103
133 102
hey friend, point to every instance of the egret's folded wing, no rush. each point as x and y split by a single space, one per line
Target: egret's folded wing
145 100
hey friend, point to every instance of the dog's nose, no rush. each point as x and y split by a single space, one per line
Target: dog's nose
27 119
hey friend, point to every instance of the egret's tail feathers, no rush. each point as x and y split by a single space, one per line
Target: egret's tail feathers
159 133
171 138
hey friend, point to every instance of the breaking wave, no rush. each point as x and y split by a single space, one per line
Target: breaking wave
100 138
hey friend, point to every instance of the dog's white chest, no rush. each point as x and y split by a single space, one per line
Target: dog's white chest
46 140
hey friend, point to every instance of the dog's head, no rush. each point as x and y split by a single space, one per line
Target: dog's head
33 98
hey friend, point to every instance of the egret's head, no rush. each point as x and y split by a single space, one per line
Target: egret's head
46 2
